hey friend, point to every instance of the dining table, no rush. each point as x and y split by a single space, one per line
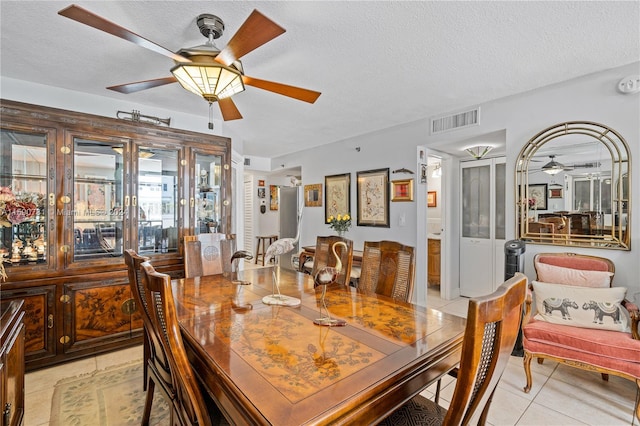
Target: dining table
270 364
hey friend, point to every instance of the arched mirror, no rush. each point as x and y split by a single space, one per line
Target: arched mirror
573 186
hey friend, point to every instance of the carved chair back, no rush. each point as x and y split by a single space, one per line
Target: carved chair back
208 254
388 268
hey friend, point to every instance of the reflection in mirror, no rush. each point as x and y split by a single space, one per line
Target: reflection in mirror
572 187
157 200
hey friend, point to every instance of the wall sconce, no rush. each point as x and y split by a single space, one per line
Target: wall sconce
479 151
437 171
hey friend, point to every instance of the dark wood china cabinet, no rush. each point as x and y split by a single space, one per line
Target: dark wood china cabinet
76 190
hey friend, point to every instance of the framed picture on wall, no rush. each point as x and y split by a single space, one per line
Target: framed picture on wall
538 196
313 195
260 182
273 191
262 192
432 200
373 198
337 195
555 193
402 190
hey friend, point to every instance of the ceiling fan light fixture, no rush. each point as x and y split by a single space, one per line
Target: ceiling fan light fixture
212 81
552 167
479 151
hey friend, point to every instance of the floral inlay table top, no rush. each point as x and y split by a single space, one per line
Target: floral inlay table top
272 365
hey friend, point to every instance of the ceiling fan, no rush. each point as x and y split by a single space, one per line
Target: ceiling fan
553 167
214 74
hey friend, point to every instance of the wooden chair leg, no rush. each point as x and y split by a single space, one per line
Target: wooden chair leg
527 370
148 402
146 354
485 411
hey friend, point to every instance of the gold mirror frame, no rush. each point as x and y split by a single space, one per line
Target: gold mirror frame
583 150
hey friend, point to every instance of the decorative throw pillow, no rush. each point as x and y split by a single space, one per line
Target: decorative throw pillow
569 276
581 306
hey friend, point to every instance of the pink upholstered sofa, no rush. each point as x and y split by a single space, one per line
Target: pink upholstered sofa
571 327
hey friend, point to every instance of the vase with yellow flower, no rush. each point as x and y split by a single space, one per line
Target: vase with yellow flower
340 223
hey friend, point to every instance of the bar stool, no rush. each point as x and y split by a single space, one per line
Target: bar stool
262 246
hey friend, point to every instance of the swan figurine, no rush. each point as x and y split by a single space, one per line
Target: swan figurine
324 277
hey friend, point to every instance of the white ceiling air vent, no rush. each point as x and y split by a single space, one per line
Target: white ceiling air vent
455 121
247 161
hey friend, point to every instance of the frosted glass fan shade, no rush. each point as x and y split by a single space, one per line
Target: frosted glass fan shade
552 167
211 81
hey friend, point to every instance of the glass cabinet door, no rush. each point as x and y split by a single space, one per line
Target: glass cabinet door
208 205
25 182
98 203
157 200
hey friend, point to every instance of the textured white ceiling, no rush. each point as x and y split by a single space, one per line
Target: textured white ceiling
377 64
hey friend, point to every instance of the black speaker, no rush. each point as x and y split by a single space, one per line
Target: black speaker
514 262
514 259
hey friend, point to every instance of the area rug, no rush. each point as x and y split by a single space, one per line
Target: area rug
109 397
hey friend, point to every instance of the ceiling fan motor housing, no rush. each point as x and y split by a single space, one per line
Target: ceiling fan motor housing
210 24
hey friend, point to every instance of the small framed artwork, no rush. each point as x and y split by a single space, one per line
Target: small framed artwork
262 192
402 190
538 196
432 199
555 193
260 182
373 198
337 195
313 195
273 192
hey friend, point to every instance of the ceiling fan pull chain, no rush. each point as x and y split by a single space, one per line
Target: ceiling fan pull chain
210 115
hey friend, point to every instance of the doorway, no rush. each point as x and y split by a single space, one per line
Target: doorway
436 199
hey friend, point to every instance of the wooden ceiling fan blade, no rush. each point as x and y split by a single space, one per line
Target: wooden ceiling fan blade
229 110
254 32
86 17
305 95
142 85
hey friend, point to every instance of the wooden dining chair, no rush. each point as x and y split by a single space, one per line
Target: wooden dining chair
388 268
156 363
541 232
492 327
208 254
324 256
188 407
192 257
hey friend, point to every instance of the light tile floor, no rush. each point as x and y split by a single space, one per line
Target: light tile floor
560 396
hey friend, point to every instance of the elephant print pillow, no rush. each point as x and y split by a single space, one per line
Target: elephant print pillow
586 307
